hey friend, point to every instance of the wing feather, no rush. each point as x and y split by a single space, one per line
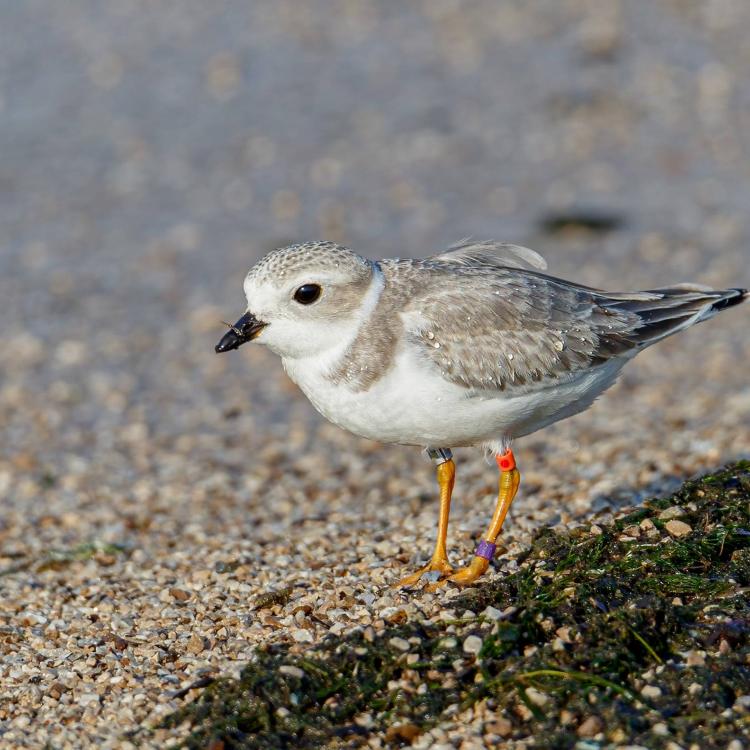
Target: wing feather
496 327
491 253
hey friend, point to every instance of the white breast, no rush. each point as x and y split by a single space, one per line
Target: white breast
413 405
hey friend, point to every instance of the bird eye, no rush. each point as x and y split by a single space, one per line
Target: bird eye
307 294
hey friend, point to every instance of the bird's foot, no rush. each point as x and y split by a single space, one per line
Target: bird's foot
465 576
438 564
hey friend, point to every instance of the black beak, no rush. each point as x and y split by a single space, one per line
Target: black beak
244 330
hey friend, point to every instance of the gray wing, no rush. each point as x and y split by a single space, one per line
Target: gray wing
486 326
491 253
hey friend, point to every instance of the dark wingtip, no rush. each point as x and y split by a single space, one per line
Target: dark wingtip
734 297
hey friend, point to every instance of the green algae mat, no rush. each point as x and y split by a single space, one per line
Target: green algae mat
636 632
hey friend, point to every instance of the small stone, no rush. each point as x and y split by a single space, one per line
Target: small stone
735 745
291 671
399 617
195 645
491 613
564 634
590 727
694 688
696 658
180 594
523 711
399 643
302 636
674 511
472 644
678 529
742 703
56 689
660 729
537 697
651 691
596 530
618 736
500 726
402 733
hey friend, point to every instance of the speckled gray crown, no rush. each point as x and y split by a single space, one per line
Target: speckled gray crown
314 256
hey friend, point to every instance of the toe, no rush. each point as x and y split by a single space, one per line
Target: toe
469 574
441 567
410 580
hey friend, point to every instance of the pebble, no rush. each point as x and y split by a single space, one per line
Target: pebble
500 726
472 644
492 613
291 671
678 529
301 635
651 691
195 644
537 697
674 511
399 643
590 727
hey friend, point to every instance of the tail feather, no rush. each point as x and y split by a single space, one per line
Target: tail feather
675 308
732 297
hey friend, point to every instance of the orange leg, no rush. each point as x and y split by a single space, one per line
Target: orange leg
510 478
446 476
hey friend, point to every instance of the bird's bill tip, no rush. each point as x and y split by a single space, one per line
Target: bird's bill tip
245 329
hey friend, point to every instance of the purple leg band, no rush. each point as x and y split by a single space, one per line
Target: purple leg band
486 549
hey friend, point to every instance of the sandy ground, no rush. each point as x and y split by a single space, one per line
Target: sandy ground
151 491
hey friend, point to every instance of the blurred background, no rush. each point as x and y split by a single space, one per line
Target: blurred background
150 153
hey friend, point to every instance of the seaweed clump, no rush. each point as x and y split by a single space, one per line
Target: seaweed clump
635 632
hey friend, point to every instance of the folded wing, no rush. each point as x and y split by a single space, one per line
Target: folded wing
487 325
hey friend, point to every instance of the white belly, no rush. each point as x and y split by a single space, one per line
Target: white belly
413 405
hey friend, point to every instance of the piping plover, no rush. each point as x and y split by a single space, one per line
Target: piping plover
472 347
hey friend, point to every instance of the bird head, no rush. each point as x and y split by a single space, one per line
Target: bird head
302 300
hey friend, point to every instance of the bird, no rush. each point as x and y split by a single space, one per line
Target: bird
474 346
